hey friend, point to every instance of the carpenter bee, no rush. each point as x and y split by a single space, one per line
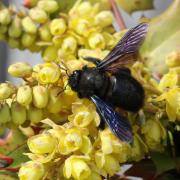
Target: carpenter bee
109 84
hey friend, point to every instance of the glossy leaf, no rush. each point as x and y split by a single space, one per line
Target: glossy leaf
14 147
162 38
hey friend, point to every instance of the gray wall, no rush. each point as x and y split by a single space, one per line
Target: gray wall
11 56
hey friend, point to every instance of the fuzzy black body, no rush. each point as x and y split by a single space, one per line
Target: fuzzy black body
119 89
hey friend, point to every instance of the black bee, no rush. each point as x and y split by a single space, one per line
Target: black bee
110 84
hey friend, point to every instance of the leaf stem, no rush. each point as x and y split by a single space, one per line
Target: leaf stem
117 14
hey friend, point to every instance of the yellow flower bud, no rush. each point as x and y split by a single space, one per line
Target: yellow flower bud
28 39
96 40
31 170
50 54
6 90
14 43
173 59
18 113
35 115
84 9
15 28
55 103
28 25
58 26
38 15
45 33
48 5
69 44
81 26
5 115
5 16
104 18
20 70
154 133
77 168
49 73
24 95
42 143
40 96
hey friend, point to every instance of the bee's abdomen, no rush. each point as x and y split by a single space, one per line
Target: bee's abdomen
126 92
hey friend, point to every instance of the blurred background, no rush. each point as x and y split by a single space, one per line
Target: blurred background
9 56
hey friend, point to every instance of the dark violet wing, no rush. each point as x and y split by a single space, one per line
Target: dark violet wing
127 46
117 123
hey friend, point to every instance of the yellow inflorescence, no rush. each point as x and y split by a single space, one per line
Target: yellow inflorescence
71 144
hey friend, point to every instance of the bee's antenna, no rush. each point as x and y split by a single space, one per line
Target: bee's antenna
65 68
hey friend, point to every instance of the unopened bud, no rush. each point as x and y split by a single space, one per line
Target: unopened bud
40 96
173 59
58 26
48 5
24 95
35 115
20 70
18 113
28 25
38 15
5 16
15 29
31 170
5 115
6 90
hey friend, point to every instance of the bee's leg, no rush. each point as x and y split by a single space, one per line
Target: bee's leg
96 61
102 124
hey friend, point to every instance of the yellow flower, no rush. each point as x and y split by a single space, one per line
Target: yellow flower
169 80
107 162
77 167
172 98
139 148
173 59
111 144
31 170
84 113
154 133
42 143
49 73
72 140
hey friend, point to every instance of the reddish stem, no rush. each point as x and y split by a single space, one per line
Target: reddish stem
117 14
16 169
7 159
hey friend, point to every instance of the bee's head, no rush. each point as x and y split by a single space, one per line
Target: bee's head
74 80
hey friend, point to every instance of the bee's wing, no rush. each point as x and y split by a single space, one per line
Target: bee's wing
125 50
119 125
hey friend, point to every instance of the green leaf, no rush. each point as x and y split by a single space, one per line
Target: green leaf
163 162
15 147
135 5
163 37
